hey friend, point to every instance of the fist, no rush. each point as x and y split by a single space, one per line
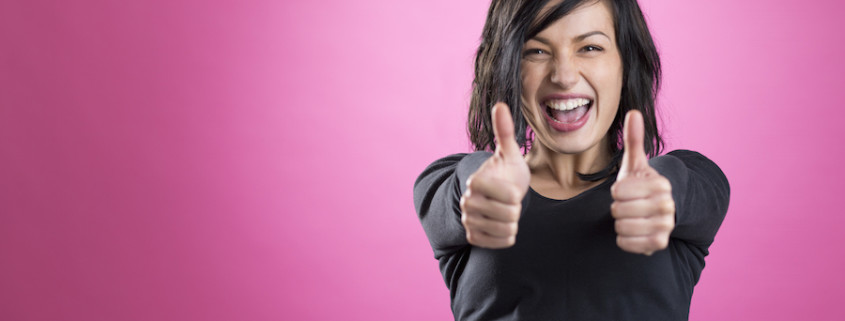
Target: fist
643 206
492 202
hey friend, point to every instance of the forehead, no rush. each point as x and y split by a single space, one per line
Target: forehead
586 16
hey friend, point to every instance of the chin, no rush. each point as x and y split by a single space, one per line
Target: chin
575 142
570 148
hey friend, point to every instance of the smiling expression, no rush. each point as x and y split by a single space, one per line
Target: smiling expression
572 80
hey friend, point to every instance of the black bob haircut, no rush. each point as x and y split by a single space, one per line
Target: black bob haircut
510 23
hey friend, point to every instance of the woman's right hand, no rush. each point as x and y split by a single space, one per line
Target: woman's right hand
492 202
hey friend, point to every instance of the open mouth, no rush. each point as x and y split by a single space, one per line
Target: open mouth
568 111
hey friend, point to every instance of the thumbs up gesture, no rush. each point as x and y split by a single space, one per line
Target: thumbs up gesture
643 205
492 202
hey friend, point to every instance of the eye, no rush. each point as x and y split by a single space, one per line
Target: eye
592 48
531 52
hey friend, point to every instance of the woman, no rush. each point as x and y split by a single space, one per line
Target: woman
565 220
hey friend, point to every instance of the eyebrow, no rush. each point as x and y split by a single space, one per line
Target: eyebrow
591 33
578 38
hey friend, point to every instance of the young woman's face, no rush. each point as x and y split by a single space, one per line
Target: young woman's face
572 80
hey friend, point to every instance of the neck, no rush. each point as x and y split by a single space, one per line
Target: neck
561 169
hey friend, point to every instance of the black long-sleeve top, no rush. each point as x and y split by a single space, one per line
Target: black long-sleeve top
565 264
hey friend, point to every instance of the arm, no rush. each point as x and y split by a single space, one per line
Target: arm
475 199
682 196
437 194
701 193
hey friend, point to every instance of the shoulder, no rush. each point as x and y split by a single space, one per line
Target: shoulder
683 165
691 160
447 174
461 162
694 159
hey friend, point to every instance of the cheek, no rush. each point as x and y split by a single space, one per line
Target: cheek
532 77
528 86
531 81
609 78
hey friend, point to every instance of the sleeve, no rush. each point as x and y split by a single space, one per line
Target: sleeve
437 194
701 193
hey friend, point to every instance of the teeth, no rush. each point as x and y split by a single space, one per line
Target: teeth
567 104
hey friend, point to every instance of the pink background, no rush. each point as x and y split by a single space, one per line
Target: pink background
254 160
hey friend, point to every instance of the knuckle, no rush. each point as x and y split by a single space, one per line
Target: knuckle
471 184
470 222
658 226
513 228
624 244
513 195
664 184
513 214
667 225
474 182
475 206
660 242
621 211
614 190
470 206
667 207
474 239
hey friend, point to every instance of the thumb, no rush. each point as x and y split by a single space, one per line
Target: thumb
504 132
634 158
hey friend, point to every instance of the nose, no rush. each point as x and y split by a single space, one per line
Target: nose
565 72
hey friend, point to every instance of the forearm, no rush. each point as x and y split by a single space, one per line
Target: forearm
701 193
437 193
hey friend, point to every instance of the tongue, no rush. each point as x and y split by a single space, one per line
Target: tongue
569 116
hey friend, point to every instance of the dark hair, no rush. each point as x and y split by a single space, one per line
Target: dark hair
510 23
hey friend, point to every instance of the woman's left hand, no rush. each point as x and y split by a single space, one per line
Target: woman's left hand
643 205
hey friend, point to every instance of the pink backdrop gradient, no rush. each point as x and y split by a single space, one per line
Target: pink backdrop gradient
253 159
